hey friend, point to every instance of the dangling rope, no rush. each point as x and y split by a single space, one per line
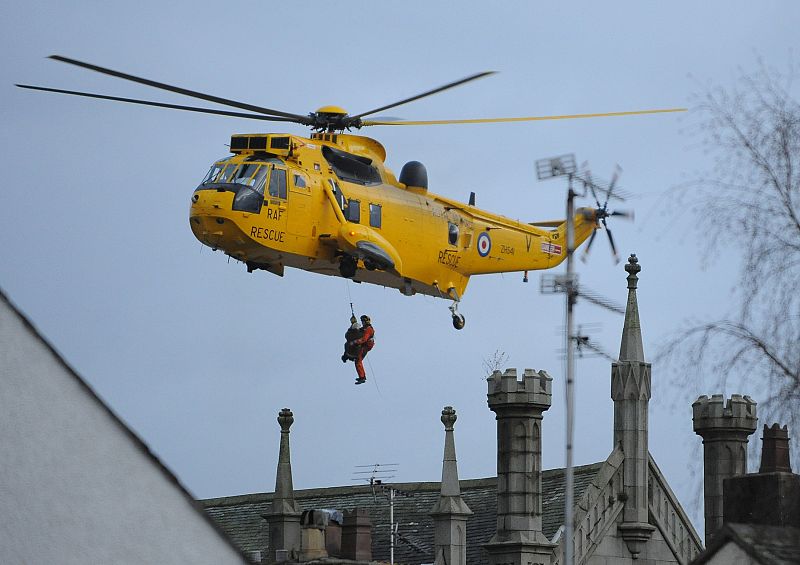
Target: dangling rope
373 379
349 296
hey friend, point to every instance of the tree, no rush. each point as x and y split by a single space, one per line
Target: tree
751 200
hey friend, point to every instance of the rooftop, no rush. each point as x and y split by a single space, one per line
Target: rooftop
240 516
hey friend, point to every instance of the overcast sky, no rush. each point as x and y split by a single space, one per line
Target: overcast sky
198 356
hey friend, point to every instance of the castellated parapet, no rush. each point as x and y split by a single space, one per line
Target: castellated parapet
535 388
715 416
724 427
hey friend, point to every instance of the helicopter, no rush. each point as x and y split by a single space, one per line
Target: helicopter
328 204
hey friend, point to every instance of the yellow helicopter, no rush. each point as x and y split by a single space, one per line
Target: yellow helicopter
328 204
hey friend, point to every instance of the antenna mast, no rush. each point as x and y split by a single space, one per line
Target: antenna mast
564 165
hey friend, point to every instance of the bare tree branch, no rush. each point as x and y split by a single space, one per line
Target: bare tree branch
749 202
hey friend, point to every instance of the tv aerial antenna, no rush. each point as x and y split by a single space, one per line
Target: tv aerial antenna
579 184
378 473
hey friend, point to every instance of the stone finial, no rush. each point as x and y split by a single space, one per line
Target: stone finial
285 419
633 269
450 512
631 348
284 517
449 418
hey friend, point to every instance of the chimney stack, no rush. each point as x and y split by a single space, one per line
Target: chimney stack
357 535
775 450
771 496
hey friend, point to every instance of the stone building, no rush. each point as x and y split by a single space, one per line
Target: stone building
625 511
76 484
759 521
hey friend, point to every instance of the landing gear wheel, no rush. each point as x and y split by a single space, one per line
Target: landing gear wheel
347 267
458 318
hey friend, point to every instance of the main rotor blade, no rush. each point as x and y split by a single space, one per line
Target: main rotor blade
613 247
626 214
224 101
526 119
585 255
614 179
159 104
424 94
547 223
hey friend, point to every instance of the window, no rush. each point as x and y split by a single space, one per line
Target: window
452 233
260 178
213 173
226 174
375 215
351 168
277 183
337 194
300 181
245 174
353 211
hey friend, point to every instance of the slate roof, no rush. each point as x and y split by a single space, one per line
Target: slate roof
240 516
769 545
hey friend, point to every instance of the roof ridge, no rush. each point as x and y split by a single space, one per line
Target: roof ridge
421 486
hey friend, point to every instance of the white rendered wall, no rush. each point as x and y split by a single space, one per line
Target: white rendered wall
75 486
731 553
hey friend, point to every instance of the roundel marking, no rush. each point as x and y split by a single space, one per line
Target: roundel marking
484 244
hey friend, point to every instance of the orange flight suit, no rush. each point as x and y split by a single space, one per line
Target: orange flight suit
364 343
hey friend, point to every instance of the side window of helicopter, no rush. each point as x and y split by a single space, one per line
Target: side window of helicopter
299 181
375 215
353 211
277 183
452 233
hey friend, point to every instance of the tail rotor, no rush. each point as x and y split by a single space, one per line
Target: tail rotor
602 213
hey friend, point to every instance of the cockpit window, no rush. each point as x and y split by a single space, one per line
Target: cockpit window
213 172
253 174
246 174
226 174
259 178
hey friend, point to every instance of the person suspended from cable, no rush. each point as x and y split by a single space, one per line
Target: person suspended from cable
360 346
350 336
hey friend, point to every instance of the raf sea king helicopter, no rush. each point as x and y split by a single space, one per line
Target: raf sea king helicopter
328 204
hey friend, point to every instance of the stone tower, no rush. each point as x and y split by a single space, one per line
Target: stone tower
630 391
519 406
284 520
450 512
724 427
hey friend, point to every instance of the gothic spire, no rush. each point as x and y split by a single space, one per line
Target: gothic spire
631 348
